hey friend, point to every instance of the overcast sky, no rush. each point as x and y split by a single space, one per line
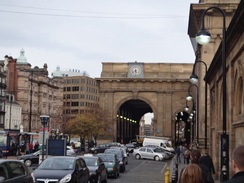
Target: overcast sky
81 34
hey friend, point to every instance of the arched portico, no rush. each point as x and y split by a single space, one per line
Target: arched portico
161 89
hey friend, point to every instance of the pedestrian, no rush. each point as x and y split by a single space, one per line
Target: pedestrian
31 147
178 152
237 165
192 173
195 156
187 156
36 146
208 162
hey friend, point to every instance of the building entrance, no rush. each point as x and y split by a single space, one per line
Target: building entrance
130 90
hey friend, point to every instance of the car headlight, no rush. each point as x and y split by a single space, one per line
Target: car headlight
110 169
65 179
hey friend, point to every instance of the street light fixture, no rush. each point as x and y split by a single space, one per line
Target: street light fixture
194 80
188 98
203 37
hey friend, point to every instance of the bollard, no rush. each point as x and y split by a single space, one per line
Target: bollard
166 175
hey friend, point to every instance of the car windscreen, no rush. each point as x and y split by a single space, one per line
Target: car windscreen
57 164
114 151
107 158
158 150
91 161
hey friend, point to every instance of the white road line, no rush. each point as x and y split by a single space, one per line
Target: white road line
164 167
138 166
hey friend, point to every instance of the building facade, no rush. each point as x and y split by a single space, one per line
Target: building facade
80 92
36 93
2 94
211 53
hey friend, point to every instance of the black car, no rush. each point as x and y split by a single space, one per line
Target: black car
98 172
12 171
30 159
130 147
99 149
62 169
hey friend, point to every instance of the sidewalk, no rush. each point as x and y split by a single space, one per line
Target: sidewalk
180 167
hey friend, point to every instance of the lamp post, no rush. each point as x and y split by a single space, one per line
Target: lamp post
188 98
194 80
44 121
203 37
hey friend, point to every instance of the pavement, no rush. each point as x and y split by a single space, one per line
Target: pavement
180 167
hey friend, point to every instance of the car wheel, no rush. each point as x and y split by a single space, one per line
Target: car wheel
28 162
95 152
156 158
138 156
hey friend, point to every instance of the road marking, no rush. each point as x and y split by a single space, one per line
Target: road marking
164 167
138 166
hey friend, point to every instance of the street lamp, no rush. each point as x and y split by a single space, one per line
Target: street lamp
188 98
203 37
44 120
194 80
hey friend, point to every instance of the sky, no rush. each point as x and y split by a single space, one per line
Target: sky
81 34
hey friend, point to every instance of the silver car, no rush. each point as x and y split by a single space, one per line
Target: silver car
149 153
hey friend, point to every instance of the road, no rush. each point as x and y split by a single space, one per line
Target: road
140 171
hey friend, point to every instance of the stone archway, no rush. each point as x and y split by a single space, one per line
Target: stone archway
132 110
163 86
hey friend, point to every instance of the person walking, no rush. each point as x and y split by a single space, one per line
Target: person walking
208 162
195 156
192 173
178 152
237 165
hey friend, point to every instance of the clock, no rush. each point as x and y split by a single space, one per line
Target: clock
135 70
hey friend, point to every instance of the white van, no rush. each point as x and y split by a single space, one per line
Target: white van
163 143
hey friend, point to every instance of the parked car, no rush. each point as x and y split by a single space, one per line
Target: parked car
62 169
149 153
168 155
30 159
14 171
99 149
111 162
125 154
98 172
122 159
130 147
33 158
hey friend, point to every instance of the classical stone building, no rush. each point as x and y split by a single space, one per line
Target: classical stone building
35 92
130 90
211 54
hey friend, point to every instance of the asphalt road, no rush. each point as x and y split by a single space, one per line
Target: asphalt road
139 171
143 171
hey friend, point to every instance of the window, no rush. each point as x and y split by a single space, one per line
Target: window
17 169
68 89
75 96
75 88
74 103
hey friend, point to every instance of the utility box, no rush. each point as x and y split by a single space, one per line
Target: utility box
56 147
